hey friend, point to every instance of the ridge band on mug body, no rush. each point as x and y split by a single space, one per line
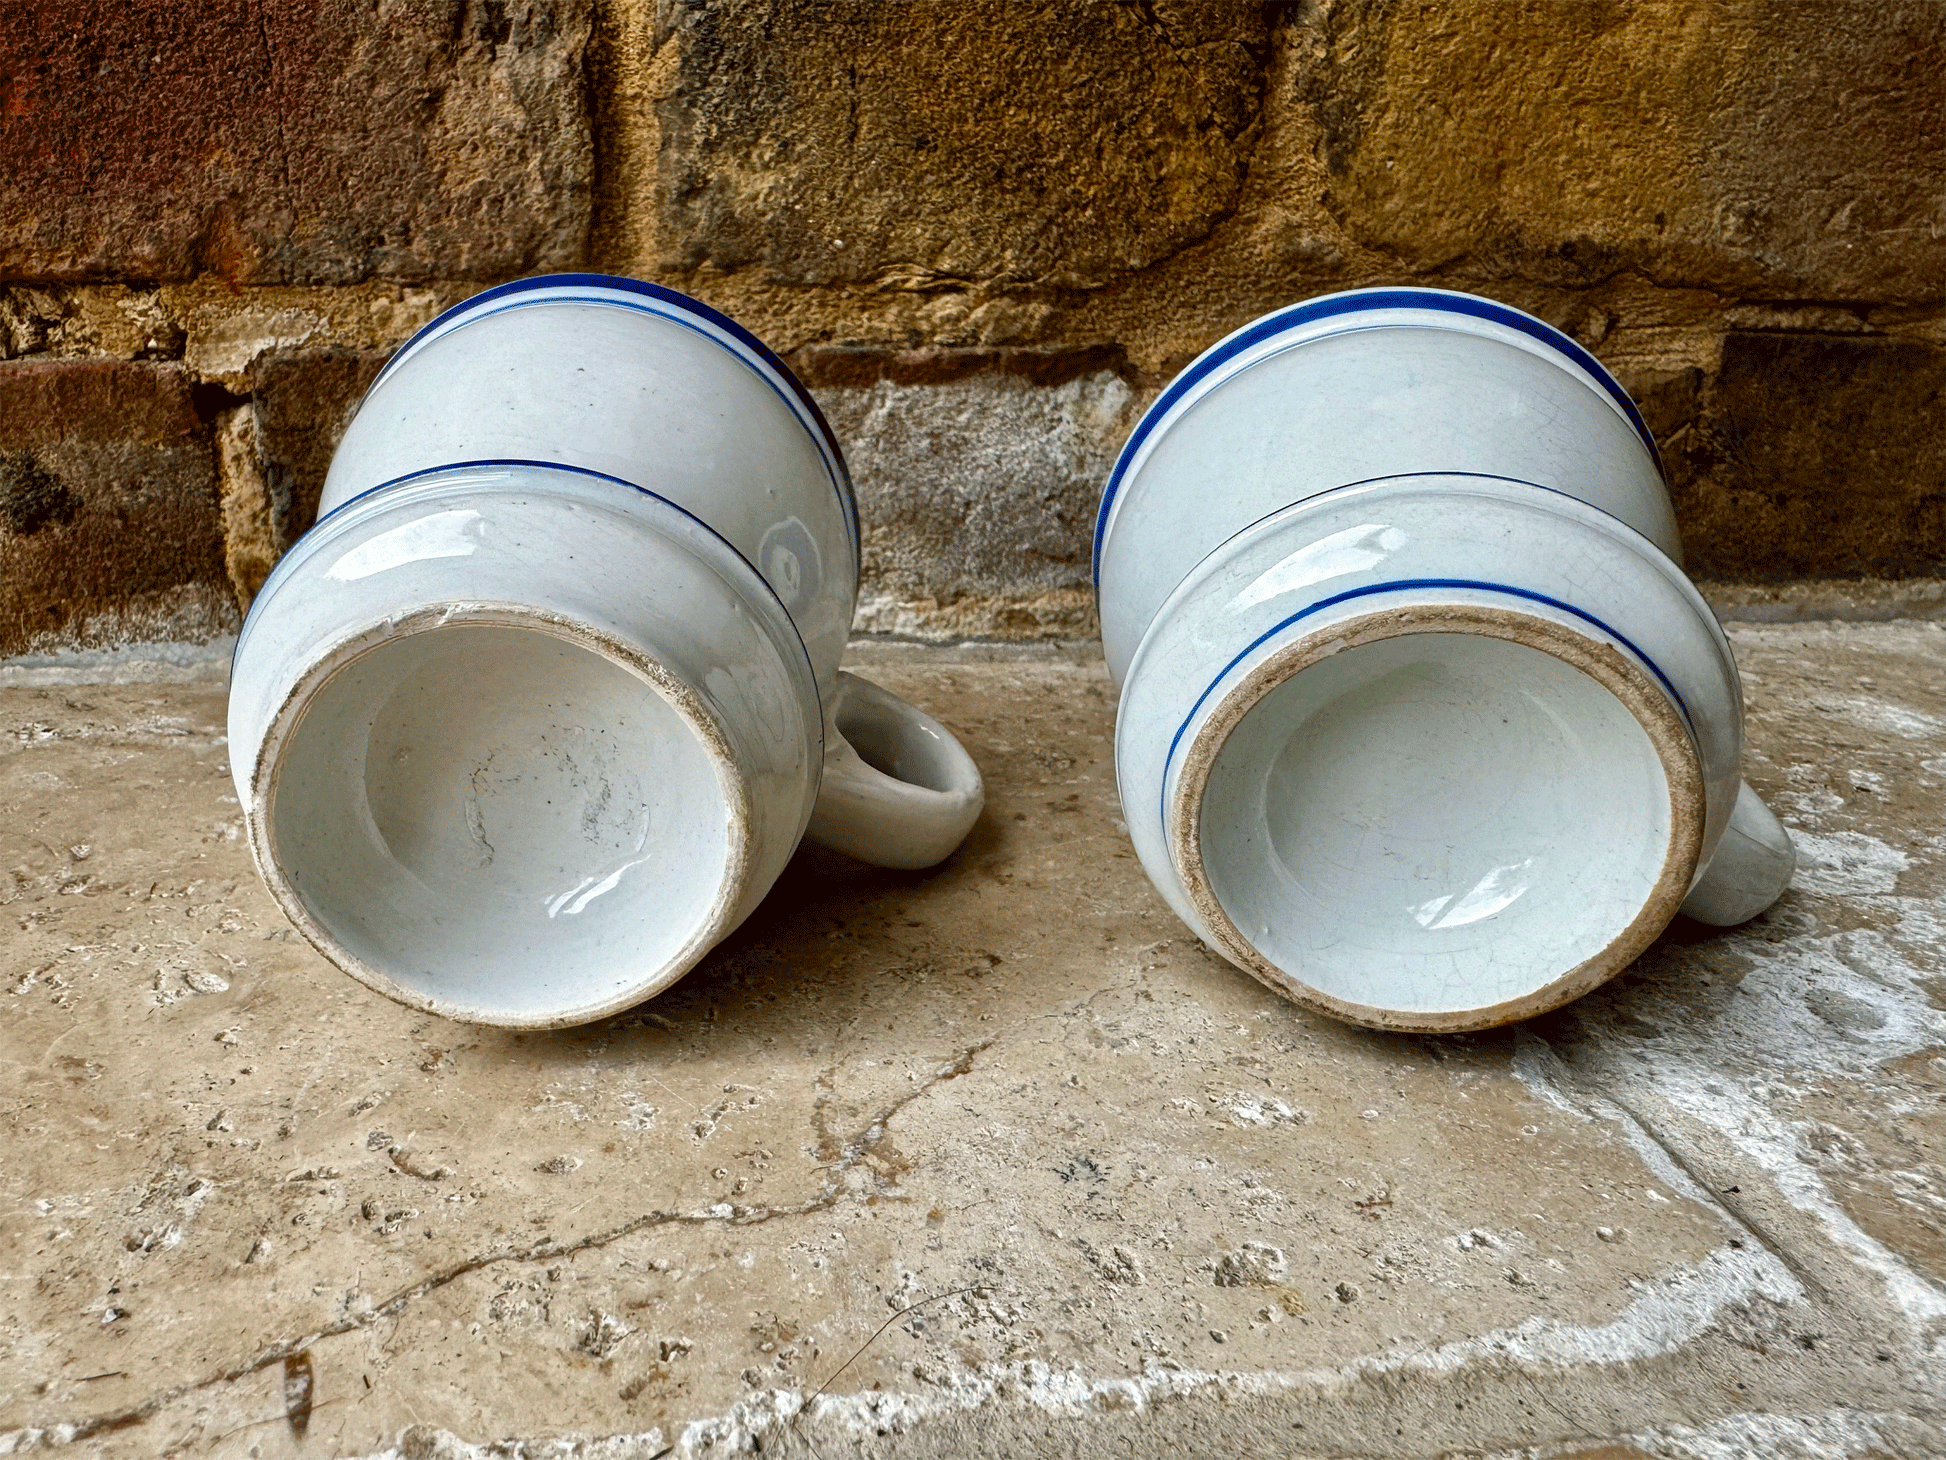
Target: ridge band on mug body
539 710
1421 722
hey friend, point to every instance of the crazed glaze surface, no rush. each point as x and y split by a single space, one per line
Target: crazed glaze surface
640 383
1435 810
1565 794
1349 388
540 709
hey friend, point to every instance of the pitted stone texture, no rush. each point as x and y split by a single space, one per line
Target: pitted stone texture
303 400
291 142
1060 143
1113 1196
1738 207
218 331
1782 151
109 526
1590 162
1812 453
978 492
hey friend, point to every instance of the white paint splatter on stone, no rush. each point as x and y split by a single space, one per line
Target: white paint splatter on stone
1846 864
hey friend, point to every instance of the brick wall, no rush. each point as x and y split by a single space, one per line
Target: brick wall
985 232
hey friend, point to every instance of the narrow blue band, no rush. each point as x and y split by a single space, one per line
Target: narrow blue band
1402 585
1297 314
800 398
499 464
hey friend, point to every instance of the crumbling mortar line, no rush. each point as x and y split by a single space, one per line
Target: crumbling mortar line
606 95
1917 319
855 1150
1723 302
906 277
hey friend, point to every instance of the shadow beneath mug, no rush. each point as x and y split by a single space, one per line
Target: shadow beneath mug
1686 979
835 938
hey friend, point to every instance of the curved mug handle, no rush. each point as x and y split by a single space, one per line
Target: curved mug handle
899 790
1752 866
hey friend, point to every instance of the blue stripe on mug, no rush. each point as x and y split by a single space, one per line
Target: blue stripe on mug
502 463
1398 586
799 399
1297 314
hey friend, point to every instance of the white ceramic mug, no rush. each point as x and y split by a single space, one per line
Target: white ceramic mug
1421 722
539 710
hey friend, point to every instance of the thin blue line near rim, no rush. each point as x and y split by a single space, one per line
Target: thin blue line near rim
1398 586
847 501
263 592
840 487
1316 309
1330 494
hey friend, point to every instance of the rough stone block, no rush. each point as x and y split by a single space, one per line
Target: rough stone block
304 400
108 506
1810 454
273 453
1786 150
288 141
978 476
1059 142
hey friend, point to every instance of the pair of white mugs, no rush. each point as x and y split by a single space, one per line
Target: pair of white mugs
1421 722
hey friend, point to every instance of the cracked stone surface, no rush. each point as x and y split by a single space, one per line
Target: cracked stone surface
992 1160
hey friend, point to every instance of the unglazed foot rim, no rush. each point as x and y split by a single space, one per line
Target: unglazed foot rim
1620 676
260 822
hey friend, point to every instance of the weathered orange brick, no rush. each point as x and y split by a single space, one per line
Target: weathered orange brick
285 141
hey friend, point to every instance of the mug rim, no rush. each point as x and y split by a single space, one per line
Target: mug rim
1199 372
341 654
1668 731
798 397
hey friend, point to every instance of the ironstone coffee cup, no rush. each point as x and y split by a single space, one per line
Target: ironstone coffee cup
1421 722
538 711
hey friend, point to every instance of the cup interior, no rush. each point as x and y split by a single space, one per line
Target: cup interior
1435 822
504 823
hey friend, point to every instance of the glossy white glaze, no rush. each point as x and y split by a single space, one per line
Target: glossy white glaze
519 740
896 790
1366 818
1326 394
639 383
1432 750
447 729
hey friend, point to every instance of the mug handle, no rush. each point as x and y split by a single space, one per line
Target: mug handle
898 790
1751 868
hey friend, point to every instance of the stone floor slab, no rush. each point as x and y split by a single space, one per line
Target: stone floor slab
991 1160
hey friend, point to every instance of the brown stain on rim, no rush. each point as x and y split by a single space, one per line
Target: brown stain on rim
1645 700
259 820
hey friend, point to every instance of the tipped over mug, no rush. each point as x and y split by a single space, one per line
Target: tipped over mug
1421 722
538 711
